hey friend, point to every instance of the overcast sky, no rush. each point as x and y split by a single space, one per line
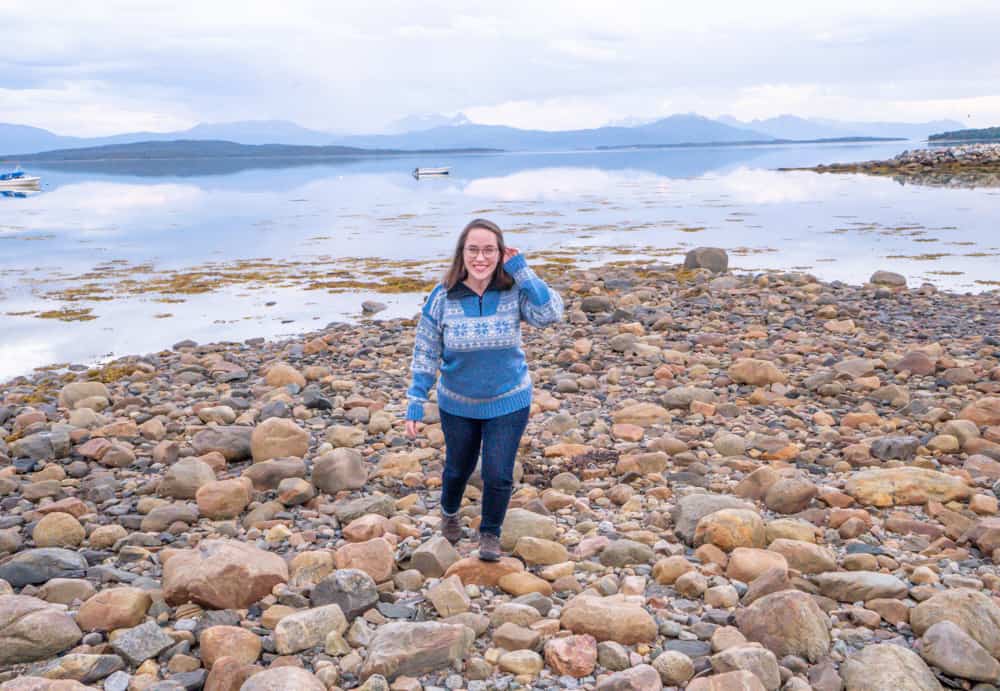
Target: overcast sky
109 66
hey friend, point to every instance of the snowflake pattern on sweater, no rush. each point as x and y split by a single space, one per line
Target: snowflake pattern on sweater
475 343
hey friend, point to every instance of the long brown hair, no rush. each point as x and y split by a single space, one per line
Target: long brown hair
457 272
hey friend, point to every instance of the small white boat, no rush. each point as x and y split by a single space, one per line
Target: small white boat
423 172
19 180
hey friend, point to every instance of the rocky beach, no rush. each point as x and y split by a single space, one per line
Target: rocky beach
965 166
728 483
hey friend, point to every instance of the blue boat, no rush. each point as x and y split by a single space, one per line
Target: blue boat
19 180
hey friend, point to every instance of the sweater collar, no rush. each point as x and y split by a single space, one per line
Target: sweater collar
460 290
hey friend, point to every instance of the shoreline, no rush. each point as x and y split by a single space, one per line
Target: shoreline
712 461
550 264
959 165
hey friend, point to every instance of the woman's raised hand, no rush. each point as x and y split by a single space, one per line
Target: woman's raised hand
411 429
509 253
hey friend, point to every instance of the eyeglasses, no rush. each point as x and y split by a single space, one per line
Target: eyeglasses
487 252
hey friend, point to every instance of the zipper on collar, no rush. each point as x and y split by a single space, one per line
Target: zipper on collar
480 305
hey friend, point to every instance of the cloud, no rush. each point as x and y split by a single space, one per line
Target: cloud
102 67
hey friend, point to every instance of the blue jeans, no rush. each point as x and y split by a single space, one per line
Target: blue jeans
499 438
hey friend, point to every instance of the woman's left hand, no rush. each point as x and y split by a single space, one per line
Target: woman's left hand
509 253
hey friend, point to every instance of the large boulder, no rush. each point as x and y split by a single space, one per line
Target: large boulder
949 647
221 574
412 649
340 469
85 392
353 590
521 522
232 441
887 666
905 485
32 629
283 678
729 529
714 259
269 474
855 586
278 437
183 478
984 412
114 608
972 611
40 565
692 508
308 628
756 372
788 622
608 619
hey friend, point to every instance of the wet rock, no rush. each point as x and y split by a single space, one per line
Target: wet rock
714 259
888 278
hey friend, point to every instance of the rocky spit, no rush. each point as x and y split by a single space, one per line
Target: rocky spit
971 165
729 482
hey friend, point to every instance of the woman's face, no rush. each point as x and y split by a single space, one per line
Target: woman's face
481 254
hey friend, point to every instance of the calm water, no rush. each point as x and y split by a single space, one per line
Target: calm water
120 230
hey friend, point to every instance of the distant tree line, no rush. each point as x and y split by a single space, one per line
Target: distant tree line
986 134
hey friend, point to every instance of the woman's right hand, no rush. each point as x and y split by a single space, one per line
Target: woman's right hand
411 429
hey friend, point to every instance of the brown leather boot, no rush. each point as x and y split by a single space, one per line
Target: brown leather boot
451 527
489 547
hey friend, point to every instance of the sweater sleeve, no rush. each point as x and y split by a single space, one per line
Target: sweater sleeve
540 305
426 354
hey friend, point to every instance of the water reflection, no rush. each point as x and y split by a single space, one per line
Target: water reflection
118 245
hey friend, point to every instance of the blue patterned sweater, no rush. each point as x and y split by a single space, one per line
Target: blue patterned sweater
476 343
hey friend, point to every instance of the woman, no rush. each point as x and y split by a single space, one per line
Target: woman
470 328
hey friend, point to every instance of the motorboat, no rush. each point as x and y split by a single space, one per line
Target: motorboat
19 180
426 172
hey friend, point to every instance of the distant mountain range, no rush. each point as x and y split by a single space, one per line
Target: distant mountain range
457 132
794 127
205 148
